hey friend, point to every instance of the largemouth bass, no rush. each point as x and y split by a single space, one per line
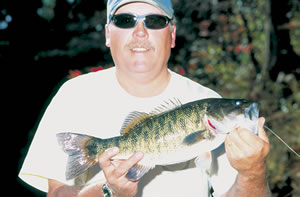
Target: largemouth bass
165 136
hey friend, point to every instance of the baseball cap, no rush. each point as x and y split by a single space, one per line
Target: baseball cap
164 5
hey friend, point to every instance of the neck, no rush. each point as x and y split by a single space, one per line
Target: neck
143 84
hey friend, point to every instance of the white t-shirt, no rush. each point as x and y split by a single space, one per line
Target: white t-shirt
95 104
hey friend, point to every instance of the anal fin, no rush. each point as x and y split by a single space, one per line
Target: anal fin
137 171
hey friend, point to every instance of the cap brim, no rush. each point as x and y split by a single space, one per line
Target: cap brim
162 7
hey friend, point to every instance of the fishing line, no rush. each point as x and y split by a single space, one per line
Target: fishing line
282 141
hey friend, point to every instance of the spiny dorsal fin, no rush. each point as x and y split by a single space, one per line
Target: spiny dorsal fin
137 117
131 120
167 106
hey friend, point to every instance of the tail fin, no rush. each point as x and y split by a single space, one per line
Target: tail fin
79 158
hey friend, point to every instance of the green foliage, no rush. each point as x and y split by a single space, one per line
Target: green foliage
283 114
294 27
47 10
233 62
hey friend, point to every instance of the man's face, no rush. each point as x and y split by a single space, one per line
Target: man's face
140 50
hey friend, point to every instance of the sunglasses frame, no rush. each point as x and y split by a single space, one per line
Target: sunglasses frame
137 18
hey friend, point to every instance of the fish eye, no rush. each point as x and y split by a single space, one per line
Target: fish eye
238 102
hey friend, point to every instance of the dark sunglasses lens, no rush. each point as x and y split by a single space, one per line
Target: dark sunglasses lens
156 21
124 20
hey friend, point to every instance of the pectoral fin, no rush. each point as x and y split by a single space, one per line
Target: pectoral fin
137 171
193 138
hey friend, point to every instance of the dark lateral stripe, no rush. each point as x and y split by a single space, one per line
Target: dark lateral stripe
173 117
182 123
170 127
161 121
146 135
157 132
149 124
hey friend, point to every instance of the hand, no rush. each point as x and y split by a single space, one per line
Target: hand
247 152
115 172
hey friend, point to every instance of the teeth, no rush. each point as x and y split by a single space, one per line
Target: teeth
139 49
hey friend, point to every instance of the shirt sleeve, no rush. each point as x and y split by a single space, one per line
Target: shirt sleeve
45 159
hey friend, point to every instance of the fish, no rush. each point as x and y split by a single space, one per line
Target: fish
170 134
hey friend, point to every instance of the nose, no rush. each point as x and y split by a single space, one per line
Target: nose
140 32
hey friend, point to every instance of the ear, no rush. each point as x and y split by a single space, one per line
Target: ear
107 35
173 36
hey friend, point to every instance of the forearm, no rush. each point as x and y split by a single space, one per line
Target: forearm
247 154
248 187
57 189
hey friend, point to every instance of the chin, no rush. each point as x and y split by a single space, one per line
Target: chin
139 67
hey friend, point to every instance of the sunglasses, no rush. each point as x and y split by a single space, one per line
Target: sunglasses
151 21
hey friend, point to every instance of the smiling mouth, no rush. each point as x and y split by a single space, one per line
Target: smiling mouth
139 49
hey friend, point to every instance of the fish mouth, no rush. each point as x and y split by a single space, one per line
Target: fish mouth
251 117
252 112
247 118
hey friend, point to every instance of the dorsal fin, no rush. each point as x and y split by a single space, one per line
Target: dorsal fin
136 117
167 106
132 119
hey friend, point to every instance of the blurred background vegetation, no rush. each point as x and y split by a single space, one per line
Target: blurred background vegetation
240 48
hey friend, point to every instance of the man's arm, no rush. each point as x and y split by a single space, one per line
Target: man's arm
246 153
58 189
244 186
115 175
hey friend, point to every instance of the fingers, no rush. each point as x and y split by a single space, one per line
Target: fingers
242 143
105 158
261 132
125 165
115 172
263 135
247 151
241 137
261 122
235 143
117 168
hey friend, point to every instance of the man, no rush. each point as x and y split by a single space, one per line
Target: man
140 35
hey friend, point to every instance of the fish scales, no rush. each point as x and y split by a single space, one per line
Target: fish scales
148 141
167 137
162 140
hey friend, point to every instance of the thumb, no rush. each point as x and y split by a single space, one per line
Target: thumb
261 132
